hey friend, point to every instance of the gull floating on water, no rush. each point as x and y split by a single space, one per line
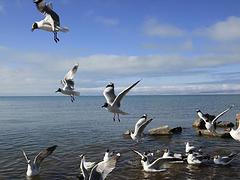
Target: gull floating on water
224 160
139 127
113 101
68 83
210 125
174 157
33 168
51 22
150 166
235 133
196 158
101 170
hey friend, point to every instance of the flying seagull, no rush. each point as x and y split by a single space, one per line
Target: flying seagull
101 170
33 168
113 101
210 125
68 83
147 166
51 22
224 160
139 127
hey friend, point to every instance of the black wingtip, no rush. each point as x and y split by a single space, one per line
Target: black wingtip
52 148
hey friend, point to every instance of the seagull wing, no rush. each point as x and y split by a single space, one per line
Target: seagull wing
109 94
138 153
102 169
123 93
200 114
48 10
25 155
71 73
140 125
156 163
43 154
222 113
40 4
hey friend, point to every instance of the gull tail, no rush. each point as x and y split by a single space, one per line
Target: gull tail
63 29
123 113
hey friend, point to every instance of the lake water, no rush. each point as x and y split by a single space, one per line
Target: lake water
34 123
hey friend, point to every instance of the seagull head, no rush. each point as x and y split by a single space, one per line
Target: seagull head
105 105
144 159
198 110
144 116
34 26
110 85
59 90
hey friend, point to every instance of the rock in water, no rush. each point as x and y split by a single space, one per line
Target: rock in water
164 130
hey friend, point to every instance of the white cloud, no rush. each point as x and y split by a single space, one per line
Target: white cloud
227 30
107 21
153 28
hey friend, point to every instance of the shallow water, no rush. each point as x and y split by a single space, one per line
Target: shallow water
34 123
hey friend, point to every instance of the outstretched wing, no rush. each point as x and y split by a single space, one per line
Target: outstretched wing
109 93
138 153
140 125
71 73
123 93
25 155
43 154
102 169
157 162
200 115
222 113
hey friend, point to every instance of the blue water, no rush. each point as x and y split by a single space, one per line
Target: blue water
34 123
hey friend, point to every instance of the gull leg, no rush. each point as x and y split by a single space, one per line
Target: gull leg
118 118
55 37
71 98
114 117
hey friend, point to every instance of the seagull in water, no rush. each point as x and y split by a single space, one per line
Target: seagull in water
113 101
33 168
101 170
147 166
224 160
235 133
51 22
68 83
196 158
139 127
210 125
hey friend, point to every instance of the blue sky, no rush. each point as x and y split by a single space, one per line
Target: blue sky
175 47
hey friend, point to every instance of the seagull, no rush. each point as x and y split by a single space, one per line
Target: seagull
195 158
88 165
139 127
101 170
210 125
108 155
113 101
224 160
51 22
68 83
147 166
189 147
33 168
235 133
172 156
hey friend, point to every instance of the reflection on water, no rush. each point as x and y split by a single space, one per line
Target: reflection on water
34 123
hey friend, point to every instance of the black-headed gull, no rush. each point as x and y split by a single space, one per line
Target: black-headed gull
150 166
113 101
101 170
210 125
139 127
51 22
68 83
224 160
33 168
196 158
